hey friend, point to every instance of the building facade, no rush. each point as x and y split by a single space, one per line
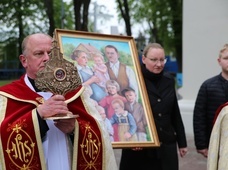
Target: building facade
205 31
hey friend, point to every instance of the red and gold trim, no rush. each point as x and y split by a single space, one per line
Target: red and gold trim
19 142
88 151
21 145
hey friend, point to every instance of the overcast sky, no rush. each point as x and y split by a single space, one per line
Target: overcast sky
104 26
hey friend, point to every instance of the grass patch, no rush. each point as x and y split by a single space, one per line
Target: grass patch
3 82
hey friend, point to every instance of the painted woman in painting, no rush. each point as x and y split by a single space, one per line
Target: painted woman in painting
87 75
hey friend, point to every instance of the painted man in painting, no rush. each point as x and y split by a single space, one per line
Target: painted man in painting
118 71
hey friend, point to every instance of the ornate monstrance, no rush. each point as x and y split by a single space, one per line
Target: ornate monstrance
59 75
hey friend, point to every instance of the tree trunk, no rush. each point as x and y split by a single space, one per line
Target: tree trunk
77 13
176 6
21 32
85 15
81 12
124 10
50 13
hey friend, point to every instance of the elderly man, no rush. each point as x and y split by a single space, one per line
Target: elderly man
29 140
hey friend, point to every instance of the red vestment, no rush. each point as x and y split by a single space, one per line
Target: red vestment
21 145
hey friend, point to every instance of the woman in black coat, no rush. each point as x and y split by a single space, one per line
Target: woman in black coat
162 96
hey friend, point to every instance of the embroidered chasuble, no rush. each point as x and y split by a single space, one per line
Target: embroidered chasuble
218 146
21 146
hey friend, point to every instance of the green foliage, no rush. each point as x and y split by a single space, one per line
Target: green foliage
148 137
68 50
6 50
23 17
160 17
125 58
20 18
69 16
4 82
21 14
63 14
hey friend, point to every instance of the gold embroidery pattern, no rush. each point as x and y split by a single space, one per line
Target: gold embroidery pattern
40 100
90 147
20 147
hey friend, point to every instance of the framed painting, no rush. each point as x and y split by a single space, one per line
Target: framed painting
109 68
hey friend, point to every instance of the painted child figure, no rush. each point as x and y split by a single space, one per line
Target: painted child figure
126 122
136 109
100 70
112 88
108 124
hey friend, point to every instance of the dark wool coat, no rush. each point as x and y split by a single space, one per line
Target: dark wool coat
212 93
169 124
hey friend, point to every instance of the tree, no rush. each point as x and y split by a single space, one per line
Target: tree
50 14
20 18
164 20
177 8
81 11
65 19
59 15
124 11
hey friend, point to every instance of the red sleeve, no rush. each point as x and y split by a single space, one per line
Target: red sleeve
218 111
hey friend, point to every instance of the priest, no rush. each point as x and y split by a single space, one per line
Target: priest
43 125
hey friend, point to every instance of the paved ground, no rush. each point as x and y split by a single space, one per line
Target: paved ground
192 161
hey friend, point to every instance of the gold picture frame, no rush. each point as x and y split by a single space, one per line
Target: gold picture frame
94 43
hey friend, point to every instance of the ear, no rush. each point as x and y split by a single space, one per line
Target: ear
23 60
219 61
143 59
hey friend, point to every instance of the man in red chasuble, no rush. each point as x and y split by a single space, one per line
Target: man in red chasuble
29 140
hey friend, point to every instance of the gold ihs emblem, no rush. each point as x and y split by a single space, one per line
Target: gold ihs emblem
20 146
91 147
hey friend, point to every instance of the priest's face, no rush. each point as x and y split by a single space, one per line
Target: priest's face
36 54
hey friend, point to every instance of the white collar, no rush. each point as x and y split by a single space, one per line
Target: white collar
81 68
116 64
45 95
124 114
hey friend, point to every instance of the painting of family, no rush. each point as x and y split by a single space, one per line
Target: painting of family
108 73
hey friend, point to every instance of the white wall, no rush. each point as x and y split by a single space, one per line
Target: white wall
205 31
